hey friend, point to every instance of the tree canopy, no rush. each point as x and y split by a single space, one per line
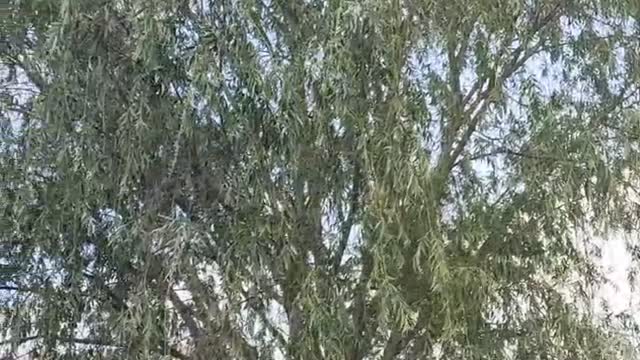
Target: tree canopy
317 179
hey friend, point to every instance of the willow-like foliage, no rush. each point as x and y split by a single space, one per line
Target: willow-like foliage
314 179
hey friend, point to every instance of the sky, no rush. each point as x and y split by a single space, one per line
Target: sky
616 262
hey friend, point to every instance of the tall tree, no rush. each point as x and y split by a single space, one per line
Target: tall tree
268 179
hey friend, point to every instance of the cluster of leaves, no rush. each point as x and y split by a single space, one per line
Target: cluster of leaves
258 179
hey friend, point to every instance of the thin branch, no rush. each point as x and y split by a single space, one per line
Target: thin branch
397 342
117 301
477 109
18 341
82 341
505 151
122 305
455 56
31 354
359 313
272 328
420 346
17 288
392 348
356 185
233 335
177 354
32 74
186 313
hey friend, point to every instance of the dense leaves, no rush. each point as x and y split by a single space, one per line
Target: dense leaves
315 179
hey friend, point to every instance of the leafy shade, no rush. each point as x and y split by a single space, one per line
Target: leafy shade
314 179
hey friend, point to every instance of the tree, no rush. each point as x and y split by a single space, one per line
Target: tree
314 179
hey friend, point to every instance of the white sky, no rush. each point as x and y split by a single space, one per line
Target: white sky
616 262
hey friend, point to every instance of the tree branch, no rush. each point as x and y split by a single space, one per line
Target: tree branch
397 341
356 185
359 312
84 341
14 288
186 313
455 57
477 109
18 341
233 336
392 348
122 305
505 151
32 74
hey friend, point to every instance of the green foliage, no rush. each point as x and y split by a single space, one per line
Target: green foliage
314 179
